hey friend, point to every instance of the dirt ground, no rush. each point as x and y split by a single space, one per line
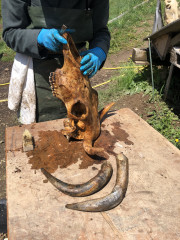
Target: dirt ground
138 103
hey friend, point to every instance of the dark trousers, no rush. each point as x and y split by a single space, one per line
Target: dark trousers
48 107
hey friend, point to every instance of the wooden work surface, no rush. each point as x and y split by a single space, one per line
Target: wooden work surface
150 210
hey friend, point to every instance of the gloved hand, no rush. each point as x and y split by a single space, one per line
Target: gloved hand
52 39
92 61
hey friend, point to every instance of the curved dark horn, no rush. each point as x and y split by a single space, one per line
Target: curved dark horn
81 190
114 198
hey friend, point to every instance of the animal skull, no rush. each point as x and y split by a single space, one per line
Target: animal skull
80 99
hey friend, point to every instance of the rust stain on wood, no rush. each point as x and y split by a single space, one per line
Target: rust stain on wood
107 141
52 150
121 134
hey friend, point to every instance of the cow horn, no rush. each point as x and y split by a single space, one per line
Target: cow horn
114 198
81 190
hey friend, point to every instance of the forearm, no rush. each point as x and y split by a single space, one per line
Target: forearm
101 39
15 32
23 41
101 35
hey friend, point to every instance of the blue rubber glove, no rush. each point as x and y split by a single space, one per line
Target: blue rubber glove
52 39
92 61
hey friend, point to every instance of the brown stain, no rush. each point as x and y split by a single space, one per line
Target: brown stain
52 150
121 134
107 141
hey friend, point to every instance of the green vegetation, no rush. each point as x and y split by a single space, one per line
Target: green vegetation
6 54
124 30
118 7
164 121
127 82
133 80
128 32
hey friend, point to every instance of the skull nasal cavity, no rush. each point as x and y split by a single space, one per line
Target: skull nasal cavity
78 109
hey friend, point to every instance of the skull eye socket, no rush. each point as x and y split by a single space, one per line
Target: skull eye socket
78 109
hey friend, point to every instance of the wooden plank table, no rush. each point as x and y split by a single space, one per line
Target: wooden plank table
150 210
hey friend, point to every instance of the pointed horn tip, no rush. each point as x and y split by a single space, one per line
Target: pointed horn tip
106 164
73 206
109 105
121 157
112 103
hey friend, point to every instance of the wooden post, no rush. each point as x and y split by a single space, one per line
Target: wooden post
168 81
139 56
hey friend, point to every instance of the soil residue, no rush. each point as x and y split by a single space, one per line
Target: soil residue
107 141
121 134
52 150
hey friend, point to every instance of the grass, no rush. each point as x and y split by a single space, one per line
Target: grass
6 54
118 7
128 32
124 30
133 81
124 33
164 121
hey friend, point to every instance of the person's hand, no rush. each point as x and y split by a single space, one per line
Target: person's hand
52 39
92 61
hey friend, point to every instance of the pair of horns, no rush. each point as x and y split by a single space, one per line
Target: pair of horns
95 184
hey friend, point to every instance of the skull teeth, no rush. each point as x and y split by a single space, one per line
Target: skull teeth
53 87
52 78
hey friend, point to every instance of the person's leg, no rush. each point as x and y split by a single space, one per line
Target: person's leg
48 107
